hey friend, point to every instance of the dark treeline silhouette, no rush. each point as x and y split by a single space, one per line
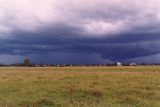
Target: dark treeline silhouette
27 63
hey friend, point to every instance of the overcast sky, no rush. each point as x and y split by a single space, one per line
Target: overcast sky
80 31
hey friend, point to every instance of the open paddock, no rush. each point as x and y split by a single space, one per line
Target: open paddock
80 86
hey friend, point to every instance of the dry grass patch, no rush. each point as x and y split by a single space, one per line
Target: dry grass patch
80 87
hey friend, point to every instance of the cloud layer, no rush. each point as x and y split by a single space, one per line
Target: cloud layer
114 30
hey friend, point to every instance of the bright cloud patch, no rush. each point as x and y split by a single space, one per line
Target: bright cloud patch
97 17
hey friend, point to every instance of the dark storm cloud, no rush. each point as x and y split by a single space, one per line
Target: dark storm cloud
120 47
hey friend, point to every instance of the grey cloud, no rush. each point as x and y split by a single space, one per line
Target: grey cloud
113 30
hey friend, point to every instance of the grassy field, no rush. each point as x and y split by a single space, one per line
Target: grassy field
80 87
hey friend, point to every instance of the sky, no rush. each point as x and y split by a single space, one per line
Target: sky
80 31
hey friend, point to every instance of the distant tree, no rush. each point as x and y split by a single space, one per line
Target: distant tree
26 62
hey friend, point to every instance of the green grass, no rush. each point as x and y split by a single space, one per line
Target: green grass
80 87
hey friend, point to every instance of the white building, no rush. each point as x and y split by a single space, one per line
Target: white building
119 64
133 64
